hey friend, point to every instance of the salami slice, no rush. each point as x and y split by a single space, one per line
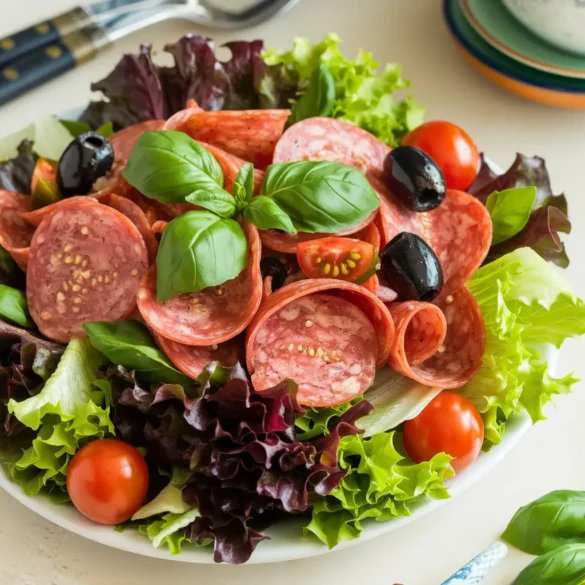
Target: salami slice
249 134
370 234
439 345
231 165
125 140
177 121
212 315
137 217
35 217
329 336
158 227
191 359
287 244
333 140
86 263
15 233
459 231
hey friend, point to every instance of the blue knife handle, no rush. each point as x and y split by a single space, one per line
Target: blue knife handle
48 62
45 33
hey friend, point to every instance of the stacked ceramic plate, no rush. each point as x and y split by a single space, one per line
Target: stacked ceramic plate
534 48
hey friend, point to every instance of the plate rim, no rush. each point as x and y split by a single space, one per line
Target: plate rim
513 53
449 6
132 541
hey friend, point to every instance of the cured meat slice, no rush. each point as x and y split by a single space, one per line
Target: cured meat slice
231 165
35 217
249 134
212 315
15 233
370 234
137 217
333 140
287 244
158 227
191 359
439 345
329 336
177 121
459 231
86 263
125 140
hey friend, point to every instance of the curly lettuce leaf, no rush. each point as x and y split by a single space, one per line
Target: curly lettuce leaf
316 422
363 96
68 412
380 483
525 303
170 499
17 170
170 531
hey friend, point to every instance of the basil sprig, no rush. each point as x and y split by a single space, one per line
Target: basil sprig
129 344
562 566
318 99
13 307
320 196
197 250
206 248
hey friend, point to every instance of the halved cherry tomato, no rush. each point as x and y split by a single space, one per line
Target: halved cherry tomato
451 148
107 481
449 424
44 169
342 258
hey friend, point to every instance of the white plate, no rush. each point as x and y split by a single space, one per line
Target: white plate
286 538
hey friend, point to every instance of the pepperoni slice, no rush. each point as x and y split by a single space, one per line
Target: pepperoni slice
86 263
459 231
137 217
125 140
178 120
249 134
212 315
333 140
328 336
439 345
191 359
231 165
15 233
36 216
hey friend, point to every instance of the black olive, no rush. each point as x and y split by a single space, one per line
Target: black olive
411 268
270 266
89 157
414 177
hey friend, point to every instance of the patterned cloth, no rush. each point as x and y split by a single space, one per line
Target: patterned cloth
474 571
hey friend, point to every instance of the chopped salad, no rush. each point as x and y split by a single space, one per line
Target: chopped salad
265 288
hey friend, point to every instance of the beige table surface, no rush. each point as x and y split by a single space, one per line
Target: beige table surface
550 456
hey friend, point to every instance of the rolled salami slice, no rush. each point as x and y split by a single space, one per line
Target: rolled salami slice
334 140
440 345
191 359
231 165
327 335
249 134
15 233
212 315
86 263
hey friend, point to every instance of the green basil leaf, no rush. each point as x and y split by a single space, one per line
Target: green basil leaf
265 214
549 522
318 99
244 185
320 196
198 250
76 128
218 201
106 129
170 166
562 566
129 344
13 306
510 210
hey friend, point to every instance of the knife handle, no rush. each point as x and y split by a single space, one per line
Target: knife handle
47 62
48 32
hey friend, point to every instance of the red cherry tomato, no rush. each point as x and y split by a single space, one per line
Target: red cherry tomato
43 170
451 148
449 424
342 258
107 481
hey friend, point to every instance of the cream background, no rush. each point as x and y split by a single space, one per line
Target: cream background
550 456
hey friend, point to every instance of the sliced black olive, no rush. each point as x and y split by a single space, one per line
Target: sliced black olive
411 268
414 177
270 266
89 157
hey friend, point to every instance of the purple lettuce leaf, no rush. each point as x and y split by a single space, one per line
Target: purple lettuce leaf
138 90
549 215
247 465
16 173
